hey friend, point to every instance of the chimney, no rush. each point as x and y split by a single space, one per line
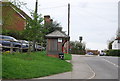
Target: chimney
47 19
51 20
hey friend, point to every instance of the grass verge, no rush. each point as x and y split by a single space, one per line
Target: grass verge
67 56
37 64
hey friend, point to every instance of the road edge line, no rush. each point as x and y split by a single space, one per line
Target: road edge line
111 63
92 72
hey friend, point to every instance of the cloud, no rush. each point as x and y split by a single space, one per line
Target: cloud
95 20
96 46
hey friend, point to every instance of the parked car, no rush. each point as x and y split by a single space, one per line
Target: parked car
24 42
39 48
6 42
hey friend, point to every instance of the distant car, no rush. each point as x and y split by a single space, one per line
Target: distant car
6 42
89 53
102 54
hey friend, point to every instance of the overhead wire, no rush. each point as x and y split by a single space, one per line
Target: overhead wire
61 6
55 7
92 14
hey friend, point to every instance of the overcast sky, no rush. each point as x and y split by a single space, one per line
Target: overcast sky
95 20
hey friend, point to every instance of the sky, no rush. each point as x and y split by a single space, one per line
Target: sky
95 20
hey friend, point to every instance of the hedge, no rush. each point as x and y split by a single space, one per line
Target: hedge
113 53
75 51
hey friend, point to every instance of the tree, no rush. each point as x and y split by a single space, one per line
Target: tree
110 43
77 47
35 29
16 34
17 3
52 26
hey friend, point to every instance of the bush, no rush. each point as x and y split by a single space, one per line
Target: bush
113 53
77 51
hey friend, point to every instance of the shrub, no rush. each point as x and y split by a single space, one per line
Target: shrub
113 53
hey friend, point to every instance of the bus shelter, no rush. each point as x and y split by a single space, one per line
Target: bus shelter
55 43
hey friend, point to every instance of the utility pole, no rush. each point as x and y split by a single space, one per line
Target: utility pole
36 6
36 9
68 19
68 42
35 17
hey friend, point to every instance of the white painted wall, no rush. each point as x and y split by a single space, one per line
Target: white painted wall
116 44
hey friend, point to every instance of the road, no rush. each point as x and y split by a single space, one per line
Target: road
104 67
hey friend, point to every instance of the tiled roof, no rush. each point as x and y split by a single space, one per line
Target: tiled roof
57 34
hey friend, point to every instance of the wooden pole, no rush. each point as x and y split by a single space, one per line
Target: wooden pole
36 6
68 42
68 19
35 17
11 49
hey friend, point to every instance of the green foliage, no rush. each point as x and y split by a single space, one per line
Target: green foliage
77 47
36 64
67 56
110 44
113 53
16 34
34 28
52 27
18 3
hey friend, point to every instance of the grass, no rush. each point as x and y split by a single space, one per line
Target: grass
67 56
37 64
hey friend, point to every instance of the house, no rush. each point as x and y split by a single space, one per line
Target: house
13 18
116 43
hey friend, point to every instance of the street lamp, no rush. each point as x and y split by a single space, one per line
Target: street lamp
80 38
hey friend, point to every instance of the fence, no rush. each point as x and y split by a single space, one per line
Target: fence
19 46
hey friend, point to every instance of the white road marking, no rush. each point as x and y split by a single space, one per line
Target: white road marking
111 63
92 72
